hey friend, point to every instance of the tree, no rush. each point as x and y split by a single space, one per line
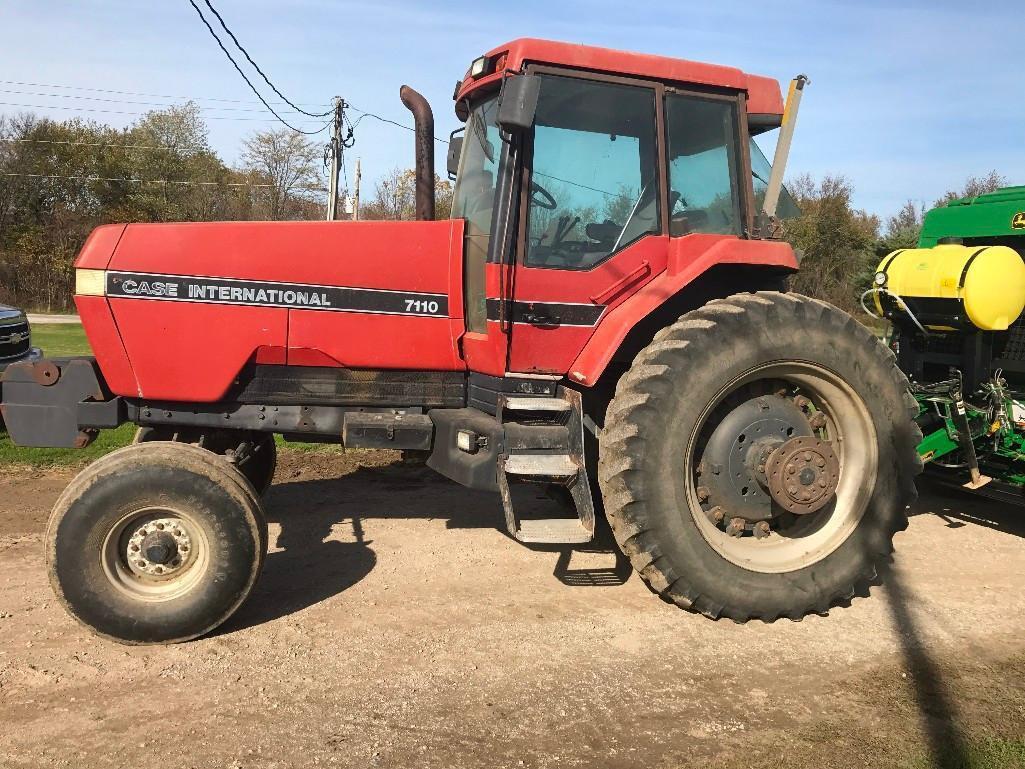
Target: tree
975 186
395 197
291 164
902 229
836 239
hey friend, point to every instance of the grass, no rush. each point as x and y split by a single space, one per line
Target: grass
66 340
986 753
61 340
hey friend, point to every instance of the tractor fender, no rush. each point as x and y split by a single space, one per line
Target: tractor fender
688 259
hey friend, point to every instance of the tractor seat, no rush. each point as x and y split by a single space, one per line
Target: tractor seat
603 232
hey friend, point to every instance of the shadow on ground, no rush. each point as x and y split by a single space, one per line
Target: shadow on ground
959 507
938 713
306 567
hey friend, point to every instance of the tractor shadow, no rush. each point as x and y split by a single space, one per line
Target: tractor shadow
959 507
321 548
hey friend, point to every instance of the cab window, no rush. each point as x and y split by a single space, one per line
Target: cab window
593 179
704 194
473 200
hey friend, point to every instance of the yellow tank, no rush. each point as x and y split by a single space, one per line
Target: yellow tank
948 284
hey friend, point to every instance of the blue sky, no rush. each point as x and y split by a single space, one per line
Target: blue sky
908 97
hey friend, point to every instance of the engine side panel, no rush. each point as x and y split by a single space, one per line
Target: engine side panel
194 302
192 352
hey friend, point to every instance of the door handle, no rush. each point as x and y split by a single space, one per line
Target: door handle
539 319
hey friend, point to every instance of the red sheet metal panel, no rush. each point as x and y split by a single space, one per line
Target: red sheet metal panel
763 93
183 351
105 341
689 257
589 295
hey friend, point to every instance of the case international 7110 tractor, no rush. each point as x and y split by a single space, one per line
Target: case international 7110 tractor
603 320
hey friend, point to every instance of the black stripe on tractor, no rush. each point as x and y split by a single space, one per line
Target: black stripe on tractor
547 313
299 296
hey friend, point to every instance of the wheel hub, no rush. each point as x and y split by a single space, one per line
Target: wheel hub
803 474
735 459
159 548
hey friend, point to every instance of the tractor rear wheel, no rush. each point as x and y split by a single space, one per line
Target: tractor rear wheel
155 543
759 456
255 455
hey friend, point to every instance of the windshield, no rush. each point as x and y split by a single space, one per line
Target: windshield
787 207
474 200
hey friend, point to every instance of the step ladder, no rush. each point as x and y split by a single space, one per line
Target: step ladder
545 447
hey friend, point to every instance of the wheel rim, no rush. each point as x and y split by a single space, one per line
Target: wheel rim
155 554
786 541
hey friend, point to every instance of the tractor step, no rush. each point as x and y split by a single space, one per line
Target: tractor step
536 404
554 466
547 452
554 531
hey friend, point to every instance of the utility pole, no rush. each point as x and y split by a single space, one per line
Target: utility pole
334 155
355 198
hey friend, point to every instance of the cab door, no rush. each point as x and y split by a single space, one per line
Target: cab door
595 216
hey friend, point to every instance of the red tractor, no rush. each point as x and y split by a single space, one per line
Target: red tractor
604 319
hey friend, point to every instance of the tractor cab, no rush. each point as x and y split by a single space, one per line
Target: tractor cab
578 173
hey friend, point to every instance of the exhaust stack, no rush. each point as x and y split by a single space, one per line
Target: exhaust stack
424 120
786 137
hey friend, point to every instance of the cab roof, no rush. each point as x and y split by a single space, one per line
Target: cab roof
763 93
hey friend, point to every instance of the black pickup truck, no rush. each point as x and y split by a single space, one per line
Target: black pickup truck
15 337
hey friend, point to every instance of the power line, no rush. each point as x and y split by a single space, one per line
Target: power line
243 74
134 93
156 181
364 114
127 112
257 67
93 144
128 101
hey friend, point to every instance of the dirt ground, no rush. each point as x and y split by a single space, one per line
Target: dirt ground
396 625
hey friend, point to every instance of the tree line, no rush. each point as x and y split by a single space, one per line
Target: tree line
60 179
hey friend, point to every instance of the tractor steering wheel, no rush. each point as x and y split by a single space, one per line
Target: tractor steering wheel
541 197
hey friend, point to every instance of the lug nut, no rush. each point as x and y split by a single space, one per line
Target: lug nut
702 493
762 529
818 421
717 513
736 527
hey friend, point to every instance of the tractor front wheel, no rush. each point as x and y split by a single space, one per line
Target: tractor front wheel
155 543
759 457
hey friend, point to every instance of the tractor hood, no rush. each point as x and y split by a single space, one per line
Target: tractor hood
194 303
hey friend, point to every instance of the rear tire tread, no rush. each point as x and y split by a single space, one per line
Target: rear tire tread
676 349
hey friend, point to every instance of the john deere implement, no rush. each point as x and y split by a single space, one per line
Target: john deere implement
956 304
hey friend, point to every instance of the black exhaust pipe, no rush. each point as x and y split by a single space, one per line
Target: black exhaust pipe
424 119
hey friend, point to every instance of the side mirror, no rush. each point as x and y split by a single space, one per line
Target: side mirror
518 103
455 150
